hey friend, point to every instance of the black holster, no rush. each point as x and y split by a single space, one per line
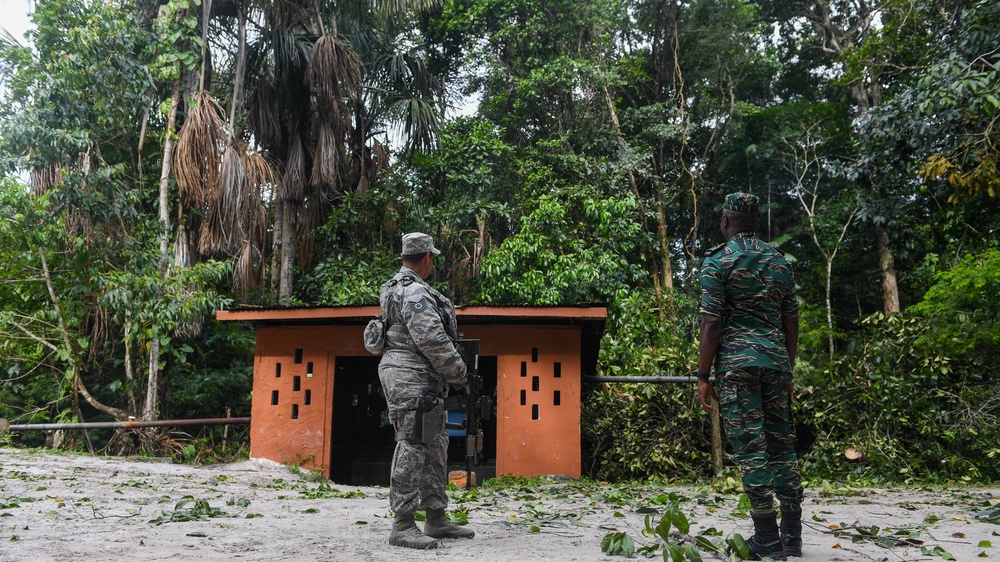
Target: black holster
430 419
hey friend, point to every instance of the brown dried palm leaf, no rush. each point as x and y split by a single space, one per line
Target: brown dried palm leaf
224 217
100 329
306 255
291 187
248 271
264 118
262 178
197 158
314 212
380 154
260 171
155 441
327 161
234 194
44 180
335 73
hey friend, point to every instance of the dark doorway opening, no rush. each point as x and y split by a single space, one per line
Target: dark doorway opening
362 440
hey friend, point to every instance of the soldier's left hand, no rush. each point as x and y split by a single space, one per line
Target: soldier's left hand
707 395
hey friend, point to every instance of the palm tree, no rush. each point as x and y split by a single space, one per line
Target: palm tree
323 80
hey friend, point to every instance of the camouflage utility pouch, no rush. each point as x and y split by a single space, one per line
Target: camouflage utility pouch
375 336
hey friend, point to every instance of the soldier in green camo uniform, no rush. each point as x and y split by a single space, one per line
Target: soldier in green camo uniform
419 364
749 334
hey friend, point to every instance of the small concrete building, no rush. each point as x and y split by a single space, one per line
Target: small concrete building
318 403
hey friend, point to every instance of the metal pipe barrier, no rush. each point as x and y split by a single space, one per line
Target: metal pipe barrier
128 424
650 379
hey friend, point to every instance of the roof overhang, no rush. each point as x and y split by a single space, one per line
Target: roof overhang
345 315
590 319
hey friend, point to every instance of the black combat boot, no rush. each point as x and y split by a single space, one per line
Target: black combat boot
791 531
765 540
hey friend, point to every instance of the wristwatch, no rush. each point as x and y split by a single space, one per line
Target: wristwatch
704 376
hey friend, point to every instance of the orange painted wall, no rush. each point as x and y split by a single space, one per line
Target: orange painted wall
538 397
539 436
274 431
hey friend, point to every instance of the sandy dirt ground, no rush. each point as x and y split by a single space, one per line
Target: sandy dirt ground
56 507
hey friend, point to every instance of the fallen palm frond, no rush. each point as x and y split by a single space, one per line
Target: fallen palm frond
159 442
198 156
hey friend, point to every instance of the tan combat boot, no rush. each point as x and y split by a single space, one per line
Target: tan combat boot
438 526
406 534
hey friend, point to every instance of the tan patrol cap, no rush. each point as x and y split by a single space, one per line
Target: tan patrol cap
418 243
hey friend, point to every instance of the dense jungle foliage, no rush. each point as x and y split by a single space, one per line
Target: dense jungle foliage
164 159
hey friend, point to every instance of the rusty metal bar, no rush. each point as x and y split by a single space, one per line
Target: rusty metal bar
654 380
120 425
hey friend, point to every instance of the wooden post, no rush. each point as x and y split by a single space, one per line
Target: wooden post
716 440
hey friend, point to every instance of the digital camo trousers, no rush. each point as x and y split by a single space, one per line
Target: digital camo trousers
419 472
756 413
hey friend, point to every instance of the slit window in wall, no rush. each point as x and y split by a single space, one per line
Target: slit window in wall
524 369
309 370
534 411
534 355
557 370
308 398
534 384
277 370
556 398
298 355
296 383
274 397
295 411
524 397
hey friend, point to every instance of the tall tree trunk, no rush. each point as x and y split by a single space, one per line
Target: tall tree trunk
167 169
277 234
133 400
287 252
661 231
241 61
150 410
890 290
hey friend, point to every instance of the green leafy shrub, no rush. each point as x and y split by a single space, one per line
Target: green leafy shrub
646 430
911 413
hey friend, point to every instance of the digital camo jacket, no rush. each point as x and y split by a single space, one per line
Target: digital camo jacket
420 356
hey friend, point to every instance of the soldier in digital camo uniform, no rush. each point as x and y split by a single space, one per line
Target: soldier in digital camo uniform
419 364
749 332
